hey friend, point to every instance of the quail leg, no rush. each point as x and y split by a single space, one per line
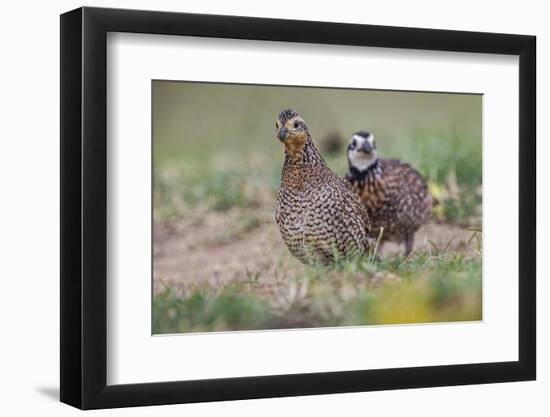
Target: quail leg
409 240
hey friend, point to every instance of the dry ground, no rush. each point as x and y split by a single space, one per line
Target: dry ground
242 245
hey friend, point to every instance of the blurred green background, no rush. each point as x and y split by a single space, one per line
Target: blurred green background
217 167
211 128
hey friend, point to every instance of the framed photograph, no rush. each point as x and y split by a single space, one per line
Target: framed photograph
256 208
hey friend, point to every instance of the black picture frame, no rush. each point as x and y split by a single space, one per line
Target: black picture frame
84 207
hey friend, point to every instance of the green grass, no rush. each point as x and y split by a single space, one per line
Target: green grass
421 289
217 181
451 161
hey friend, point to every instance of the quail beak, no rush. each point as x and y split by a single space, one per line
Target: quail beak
282 134
366 148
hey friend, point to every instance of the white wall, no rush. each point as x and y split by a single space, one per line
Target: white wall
29 224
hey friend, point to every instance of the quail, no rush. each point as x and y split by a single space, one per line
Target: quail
395 194
320 217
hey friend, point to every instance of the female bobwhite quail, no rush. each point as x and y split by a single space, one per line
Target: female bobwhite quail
320 217
394 193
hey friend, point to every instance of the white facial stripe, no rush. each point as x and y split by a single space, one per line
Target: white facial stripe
371 139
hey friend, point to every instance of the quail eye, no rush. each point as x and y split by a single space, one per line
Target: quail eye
296 125
353 144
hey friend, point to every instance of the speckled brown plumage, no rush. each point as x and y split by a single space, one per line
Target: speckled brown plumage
394 193
320 218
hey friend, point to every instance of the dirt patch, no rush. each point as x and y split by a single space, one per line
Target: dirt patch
444 236
239 245
219 248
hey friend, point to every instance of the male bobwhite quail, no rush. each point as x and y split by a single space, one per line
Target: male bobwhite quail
394 193
320 217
